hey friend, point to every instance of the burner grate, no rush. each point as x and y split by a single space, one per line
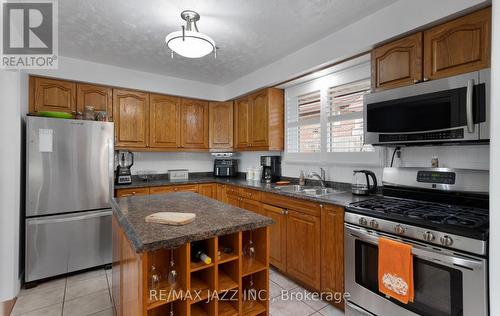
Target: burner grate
458 216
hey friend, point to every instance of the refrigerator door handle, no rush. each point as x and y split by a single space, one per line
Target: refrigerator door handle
111 167
68 218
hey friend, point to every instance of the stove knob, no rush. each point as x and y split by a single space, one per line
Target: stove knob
399 229
428 236
373 224
363 221
446 241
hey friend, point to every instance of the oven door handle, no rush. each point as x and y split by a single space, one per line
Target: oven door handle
468 105
418 250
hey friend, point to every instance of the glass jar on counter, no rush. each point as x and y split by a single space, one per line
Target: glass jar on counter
89 113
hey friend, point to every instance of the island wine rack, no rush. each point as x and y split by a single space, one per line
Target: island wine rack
236 282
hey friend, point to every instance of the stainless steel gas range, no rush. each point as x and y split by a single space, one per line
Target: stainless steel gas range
443 214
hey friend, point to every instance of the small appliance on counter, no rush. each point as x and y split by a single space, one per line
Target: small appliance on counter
225 167
361 182
271 168
125 162
178 174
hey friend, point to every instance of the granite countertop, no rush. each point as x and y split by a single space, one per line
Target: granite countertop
341 199
213 218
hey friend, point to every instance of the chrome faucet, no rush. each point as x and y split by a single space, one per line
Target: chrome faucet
321 178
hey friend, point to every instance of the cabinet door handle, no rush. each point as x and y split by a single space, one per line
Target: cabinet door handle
426 79
321 206
415 81
283 212
133 193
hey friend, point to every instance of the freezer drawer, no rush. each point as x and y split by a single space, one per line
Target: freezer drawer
66 243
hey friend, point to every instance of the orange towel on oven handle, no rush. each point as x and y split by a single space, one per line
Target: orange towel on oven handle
395 270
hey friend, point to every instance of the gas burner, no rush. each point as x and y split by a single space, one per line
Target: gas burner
426 213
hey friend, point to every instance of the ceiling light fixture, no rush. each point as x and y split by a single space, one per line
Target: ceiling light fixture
189 42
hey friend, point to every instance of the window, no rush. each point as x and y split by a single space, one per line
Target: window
306 134
345 126
324 122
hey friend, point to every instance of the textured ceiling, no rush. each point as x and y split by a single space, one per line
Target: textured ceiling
250 34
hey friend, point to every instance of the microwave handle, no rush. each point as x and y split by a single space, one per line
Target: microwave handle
468 105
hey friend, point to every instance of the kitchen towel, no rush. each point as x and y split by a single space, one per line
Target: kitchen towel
395 270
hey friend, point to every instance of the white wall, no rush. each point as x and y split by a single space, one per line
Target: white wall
154 162
494 242
10 183
401 17
86 71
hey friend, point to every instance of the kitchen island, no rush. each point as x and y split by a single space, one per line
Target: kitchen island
145 254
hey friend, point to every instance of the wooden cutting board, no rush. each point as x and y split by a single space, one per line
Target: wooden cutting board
171 218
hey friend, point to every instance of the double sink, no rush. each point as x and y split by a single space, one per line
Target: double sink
308 190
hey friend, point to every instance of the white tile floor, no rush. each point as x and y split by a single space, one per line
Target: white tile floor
89 294
82 294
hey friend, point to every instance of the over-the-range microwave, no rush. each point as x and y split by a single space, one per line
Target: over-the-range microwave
449 110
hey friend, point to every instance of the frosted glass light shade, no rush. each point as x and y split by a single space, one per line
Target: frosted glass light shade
193 45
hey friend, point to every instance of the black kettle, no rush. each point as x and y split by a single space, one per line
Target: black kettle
361 182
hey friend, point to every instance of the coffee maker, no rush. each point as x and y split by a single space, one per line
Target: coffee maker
271 168
125 162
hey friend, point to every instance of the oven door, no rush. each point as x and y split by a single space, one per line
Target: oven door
444 110
446 283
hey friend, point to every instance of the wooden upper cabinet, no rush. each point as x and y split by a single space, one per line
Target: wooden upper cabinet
398 63
242 123
221 125
52 95
131 117
303 257
332 251
164 121
459 46
100 97
194 120
259 119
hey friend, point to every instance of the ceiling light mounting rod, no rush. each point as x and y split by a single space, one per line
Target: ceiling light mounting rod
190 42
191 18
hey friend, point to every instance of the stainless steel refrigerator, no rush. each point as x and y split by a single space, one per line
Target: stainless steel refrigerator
69 182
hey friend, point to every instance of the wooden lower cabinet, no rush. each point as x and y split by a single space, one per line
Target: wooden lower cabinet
131 290
251 205
208 190
303 260
132 192
332 251
175 188
277 248
306 241
233 200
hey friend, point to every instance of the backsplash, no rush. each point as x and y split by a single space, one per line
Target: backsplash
468 157
160 162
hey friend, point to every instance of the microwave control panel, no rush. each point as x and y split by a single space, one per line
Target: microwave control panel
442 135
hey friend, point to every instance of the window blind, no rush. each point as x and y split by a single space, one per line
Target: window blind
345 127
303 132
